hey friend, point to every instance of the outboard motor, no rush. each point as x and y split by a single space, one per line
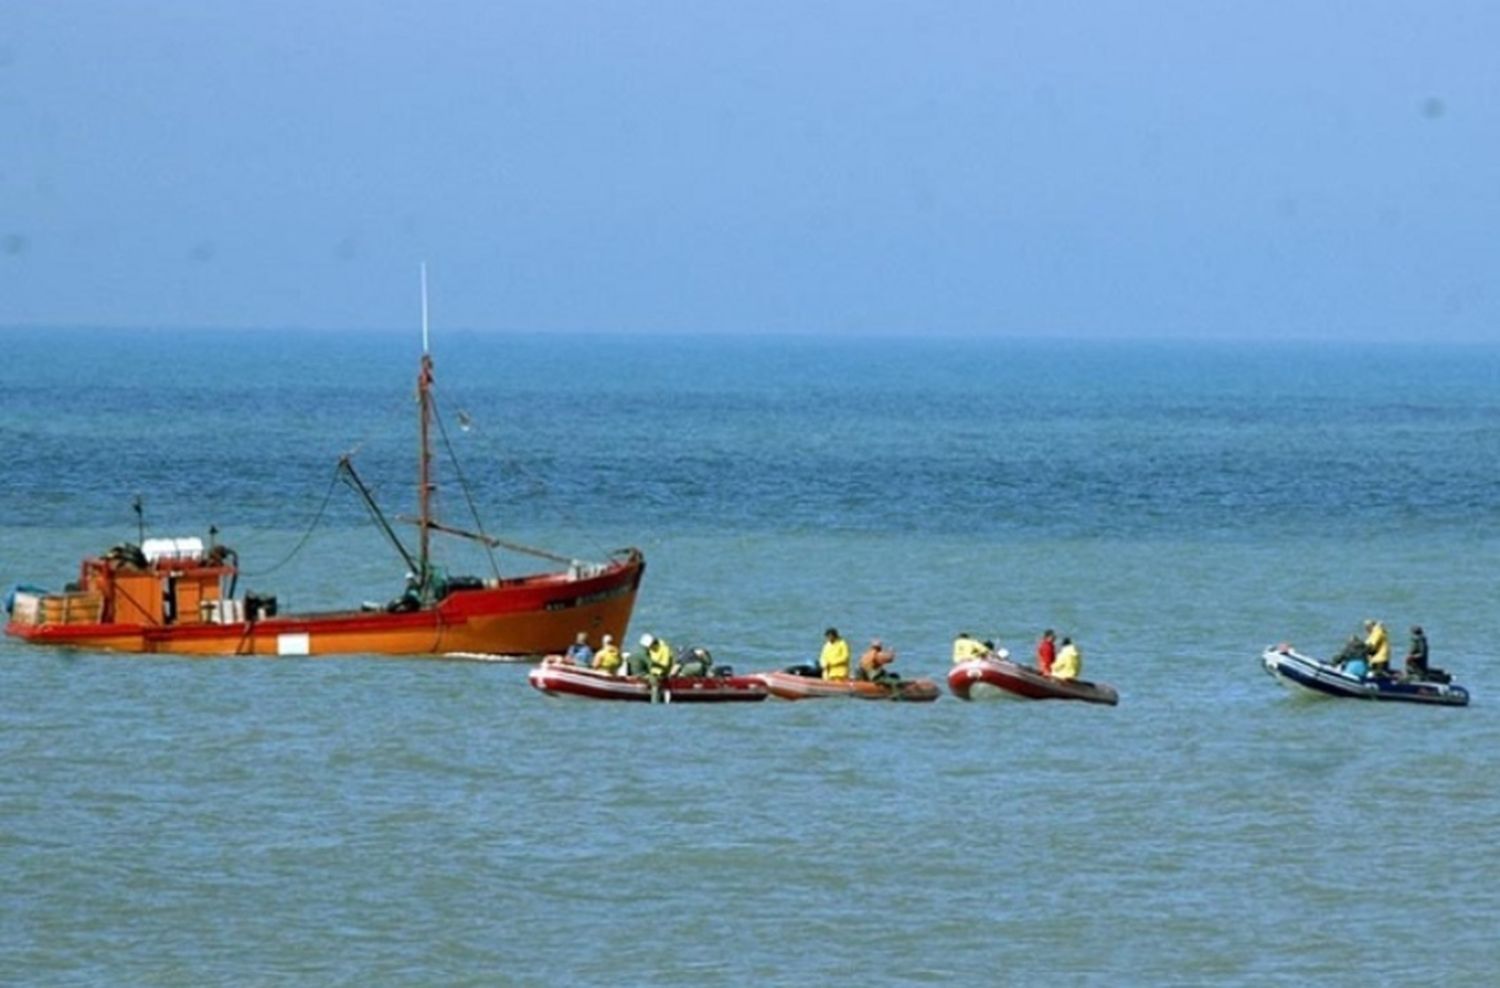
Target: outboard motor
806 669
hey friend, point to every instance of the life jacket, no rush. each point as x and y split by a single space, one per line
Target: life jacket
659 658
607 659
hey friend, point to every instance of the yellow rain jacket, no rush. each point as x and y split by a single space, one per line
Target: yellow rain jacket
607 659
1069 663
659 658
835 659
966 648
1378 647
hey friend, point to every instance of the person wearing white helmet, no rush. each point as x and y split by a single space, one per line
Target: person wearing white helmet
657 660
659 657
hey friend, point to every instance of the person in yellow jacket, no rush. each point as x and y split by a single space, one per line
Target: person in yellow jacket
659 656
1378 648
966 647
834 659
1069 661
608 658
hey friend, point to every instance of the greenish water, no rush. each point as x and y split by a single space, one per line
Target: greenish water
365 821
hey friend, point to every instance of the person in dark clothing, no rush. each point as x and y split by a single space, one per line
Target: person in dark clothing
1352 658
1416 654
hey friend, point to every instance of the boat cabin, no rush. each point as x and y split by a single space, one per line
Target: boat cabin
161 582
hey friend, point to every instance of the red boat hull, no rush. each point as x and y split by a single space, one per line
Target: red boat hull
789 686
531 615
999 678
590 684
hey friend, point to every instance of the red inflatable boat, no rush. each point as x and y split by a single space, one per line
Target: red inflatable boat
992 678
591 684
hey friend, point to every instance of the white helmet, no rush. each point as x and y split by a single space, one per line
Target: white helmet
647 641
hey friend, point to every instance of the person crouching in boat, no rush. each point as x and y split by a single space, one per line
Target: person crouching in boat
1069 662
657 661
834 659
656 666
1378 648
1046 652
1352 659
695 661
874 661
966 648
608 658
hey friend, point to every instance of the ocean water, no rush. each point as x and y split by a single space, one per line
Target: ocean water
371 821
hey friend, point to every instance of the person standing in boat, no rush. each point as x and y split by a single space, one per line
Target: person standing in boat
1416 654
608 658
966 648
872 664
1378 648
1046 652
1069 662
579 653
834 659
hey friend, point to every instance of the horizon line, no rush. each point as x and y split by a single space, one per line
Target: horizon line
1162 337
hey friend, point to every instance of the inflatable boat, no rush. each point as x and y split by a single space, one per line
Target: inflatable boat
1304 674
792 686
556 679
995 678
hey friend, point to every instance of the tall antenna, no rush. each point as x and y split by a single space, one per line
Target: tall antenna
424 461
424 306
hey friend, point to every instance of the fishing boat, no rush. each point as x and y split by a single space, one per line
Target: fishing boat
561 679
177 595
1311 677
788 685
996 678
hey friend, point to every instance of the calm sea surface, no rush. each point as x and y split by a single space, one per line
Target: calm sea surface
364 821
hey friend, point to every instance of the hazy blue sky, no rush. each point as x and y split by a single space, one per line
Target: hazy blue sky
1321 170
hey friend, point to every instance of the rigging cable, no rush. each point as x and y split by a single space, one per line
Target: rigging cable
463 484
332 483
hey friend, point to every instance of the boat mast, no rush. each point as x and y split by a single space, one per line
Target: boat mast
424 459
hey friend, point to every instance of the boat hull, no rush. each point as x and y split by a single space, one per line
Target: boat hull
984 679
590 684
531 615
790 686
1310 677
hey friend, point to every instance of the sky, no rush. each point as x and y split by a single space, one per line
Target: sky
1321 170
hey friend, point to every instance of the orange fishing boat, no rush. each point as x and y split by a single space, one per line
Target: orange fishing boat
177 595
